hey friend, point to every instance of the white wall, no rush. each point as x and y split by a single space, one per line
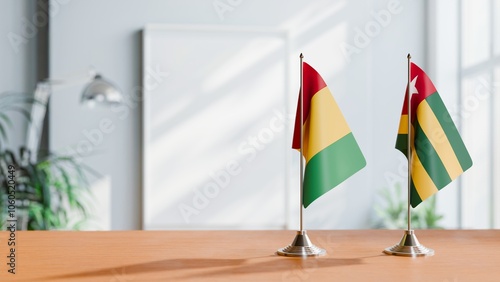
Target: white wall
368 85
17 58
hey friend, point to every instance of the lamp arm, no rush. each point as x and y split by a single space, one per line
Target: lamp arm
98 88
38 110
80 78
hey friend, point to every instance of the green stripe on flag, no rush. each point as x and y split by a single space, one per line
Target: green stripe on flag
402 143
450 130
414 196
430 159
331 166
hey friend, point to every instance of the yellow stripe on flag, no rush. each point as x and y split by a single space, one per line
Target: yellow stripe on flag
403 125
325 124
437 137
423 183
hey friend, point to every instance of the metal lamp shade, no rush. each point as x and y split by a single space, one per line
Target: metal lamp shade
101 91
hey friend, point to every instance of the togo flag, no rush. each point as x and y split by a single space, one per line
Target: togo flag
438 154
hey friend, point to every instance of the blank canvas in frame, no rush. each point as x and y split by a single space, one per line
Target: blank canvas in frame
214 133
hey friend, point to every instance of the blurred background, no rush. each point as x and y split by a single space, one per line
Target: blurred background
201 136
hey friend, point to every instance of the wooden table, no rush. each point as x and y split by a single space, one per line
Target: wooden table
354 255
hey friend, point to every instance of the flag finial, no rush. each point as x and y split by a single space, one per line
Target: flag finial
301 56
409 56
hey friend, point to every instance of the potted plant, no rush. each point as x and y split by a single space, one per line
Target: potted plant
48 193
392 213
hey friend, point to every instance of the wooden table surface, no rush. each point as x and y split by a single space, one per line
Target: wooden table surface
353 255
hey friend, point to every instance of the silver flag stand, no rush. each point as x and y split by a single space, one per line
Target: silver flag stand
409 245
301 245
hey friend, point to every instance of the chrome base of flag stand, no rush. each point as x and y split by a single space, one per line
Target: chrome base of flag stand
301 247
409 247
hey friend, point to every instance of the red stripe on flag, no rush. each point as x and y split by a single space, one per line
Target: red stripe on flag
312 83
424 86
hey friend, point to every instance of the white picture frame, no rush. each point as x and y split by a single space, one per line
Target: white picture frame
216 127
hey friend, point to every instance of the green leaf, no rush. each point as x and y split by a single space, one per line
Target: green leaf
22 111
2 133
36 215
6 119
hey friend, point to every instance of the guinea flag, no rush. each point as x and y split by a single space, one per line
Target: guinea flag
438 154
331 153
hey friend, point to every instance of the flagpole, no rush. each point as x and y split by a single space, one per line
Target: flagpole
301 245
409 140
301 206
409 246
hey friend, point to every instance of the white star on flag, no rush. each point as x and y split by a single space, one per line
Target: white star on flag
413 88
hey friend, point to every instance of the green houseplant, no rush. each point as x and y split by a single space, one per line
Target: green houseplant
49 193
392 213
